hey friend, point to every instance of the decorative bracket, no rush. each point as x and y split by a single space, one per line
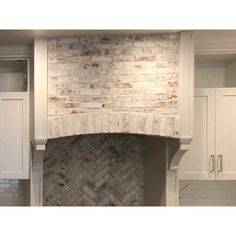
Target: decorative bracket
183 147
38 147
39 144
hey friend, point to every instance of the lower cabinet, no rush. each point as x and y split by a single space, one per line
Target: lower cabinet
14 135
213 150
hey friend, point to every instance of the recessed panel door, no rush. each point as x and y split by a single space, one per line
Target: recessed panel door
14 141
198 163
226 133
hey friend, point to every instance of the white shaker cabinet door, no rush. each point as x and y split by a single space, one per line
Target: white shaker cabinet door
14 137
226 133
198 163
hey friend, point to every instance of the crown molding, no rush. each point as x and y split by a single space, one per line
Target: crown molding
15 51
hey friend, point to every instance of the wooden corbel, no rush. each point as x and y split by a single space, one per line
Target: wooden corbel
180 149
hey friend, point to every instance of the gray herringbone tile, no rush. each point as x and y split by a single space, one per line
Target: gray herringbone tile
94 170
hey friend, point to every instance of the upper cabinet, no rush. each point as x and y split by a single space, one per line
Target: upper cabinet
14 119
212 153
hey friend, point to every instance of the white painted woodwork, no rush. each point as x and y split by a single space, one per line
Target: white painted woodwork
196 163
212 155
14 135
226 133
39 118
186 90
40 92
172 188
36 178
186 85
15 51
215 44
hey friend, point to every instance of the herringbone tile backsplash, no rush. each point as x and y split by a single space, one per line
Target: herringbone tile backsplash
94 170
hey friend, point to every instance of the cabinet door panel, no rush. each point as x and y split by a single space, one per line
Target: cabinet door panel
196 162
14 143
226 133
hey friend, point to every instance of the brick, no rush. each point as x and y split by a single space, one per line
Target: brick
126 122
115 75
133 51
100 58
141 123
134 123
91 123
90 105
112 123
90 92
98 123
145 44
119 123
105 123
148 129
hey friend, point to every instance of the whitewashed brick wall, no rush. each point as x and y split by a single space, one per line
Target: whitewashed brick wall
125 84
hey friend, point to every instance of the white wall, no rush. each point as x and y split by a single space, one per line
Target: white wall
210 75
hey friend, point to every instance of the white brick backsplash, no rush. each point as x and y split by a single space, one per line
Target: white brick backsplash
100 58
92 92
113 84
91 105
145 44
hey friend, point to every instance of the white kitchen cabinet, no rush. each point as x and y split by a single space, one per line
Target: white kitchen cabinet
14 129
212 153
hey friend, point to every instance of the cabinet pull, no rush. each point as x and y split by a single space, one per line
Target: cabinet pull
219 163
212 163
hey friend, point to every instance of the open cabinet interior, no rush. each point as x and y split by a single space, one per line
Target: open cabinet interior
208 170
215 70
13 75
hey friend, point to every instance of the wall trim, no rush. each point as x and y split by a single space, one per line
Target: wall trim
40 89
210 64
186 95
184 146
39 145
9 51
215 46
40 120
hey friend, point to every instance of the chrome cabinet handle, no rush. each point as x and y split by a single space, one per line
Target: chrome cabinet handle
219 163
212 163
